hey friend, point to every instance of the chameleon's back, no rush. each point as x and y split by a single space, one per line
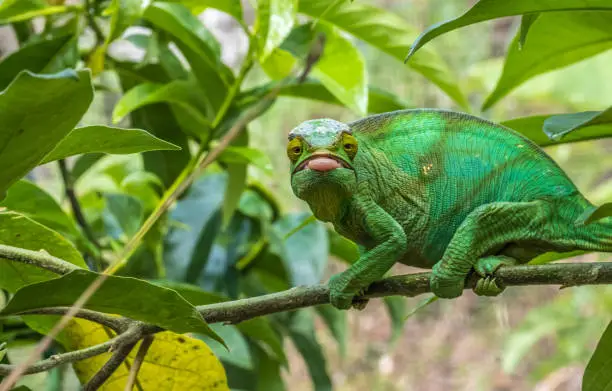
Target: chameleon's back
455 162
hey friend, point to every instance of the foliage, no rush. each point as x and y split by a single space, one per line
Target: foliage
226 236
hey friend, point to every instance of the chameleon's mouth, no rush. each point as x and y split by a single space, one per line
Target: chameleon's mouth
322 163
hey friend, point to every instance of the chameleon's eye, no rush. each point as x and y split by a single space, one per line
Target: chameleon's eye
349 143
294 149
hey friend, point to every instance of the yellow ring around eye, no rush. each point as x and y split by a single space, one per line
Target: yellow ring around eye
294 149
349 143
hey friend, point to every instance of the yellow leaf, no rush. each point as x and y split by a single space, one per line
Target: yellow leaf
174 362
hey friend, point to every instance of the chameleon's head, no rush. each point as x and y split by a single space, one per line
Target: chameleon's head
322 152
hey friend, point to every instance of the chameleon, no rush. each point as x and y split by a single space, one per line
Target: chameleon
440 190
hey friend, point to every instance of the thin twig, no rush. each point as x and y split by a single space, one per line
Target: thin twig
116 324
74 203
109 367
138 360
70 357
40 259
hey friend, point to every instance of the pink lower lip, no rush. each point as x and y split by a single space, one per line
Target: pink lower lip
323 164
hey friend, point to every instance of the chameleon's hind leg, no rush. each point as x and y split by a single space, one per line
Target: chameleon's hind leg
483 232
486 268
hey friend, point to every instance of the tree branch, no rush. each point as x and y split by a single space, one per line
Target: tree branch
409 285
78 355
40 259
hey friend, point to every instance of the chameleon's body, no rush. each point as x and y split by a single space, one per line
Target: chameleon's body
437 189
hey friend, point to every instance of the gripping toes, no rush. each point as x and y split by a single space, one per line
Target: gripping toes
486 267
343 297
446 285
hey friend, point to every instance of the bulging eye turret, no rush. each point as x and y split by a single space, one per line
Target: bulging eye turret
349 144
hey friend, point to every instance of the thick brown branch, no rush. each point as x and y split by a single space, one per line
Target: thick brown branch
563 274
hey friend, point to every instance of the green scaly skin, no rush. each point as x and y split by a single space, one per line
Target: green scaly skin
438 189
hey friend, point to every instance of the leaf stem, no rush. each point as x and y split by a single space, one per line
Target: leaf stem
109 367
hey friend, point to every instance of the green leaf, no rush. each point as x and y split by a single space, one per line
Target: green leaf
179 92
124 13
246 155
379 101
138 300
342 248
188 243
27 135
19 231
598 372
275 20
532 128
595 213
492 9
106 139
237 352
122 216
268 373
389 33
336 323
44 56
12 11
302 333
341 69
33 202
231 7
305 253
198 45
236 184
259 329
558 126
396 306
526 22
555 41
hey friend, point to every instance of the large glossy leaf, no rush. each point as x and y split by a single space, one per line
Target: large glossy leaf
598 373
341 69
533 128
45 56
33 202
139 300
492 9
19 231
31 125
389 33
555 41
179 92
107 139
275 20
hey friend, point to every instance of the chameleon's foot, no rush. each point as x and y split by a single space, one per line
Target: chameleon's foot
340 296
486 267
444 284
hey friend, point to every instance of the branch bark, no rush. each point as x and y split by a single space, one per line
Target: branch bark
40 259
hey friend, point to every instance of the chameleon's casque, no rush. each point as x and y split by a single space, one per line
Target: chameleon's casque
437 189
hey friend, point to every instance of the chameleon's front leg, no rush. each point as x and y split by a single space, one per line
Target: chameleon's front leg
482 233
373 263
